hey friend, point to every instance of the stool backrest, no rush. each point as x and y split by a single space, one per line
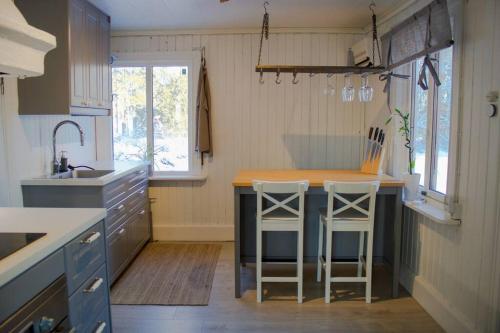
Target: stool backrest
366 191
266 189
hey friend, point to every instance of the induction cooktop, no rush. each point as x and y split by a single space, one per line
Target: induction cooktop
11 242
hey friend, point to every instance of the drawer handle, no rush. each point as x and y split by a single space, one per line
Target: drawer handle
95 285
142 192
122 230
101 327
142 212
92 238
139 172
120 207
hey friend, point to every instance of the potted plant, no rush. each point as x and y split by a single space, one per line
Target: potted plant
411 179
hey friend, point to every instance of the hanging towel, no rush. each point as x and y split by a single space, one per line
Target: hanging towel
203 121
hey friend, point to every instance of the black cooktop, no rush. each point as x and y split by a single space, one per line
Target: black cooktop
11 242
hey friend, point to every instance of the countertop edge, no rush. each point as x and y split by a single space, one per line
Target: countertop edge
31 260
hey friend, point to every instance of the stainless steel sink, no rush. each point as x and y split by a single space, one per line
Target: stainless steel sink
81 174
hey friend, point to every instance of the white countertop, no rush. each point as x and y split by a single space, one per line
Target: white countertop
121 169
61 225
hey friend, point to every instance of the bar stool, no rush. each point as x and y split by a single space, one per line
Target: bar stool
350 216
281 216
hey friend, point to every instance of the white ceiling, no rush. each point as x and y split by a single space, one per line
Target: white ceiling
238 14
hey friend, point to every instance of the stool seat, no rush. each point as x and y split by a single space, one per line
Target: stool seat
350 216
281 216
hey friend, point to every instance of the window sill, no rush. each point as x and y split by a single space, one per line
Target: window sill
178 178
432 212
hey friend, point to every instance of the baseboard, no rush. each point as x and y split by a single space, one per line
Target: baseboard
450 319
193 233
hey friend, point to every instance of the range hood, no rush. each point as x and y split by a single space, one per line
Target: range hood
22 47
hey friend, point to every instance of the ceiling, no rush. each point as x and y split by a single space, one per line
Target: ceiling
240 14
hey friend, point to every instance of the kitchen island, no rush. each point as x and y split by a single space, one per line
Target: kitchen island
282 246
59 281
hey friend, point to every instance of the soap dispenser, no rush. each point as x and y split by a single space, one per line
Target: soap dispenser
63 164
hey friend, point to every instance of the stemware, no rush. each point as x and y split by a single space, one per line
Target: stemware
348 91
365 91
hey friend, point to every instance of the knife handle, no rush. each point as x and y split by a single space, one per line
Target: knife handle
370 132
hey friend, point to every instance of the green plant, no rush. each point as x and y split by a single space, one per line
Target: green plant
405 131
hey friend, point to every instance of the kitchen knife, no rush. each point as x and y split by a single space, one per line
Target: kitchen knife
368 143
375 143
378 150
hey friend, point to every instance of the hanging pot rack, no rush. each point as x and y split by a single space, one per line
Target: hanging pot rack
312 70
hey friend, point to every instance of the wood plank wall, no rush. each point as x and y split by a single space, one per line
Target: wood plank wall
26 144
257 126
454 272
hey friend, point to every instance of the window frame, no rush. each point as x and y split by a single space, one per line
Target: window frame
191 60
432 124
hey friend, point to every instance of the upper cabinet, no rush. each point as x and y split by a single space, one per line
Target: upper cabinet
77 76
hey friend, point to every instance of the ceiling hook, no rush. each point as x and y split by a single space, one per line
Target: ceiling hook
265 4
261 77
295 81
278 81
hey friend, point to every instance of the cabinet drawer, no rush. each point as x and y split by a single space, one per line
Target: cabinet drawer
117 214
118 251
122 188
102 324
139 229
84 255
89 300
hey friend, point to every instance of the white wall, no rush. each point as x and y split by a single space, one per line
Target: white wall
26 144
454 272
256 126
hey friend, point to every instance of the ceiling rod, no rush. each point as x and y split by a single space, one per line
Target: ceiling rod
319 69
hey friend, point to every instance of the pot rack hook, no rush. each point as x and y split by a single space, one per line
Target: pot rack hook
261 77
295 81
329 75
372 7
278 80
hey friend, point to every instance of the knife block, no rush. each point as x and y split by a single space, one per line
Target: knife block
373 166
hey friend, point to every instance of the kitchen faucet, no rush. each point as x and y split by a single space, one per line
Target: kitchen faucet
55 163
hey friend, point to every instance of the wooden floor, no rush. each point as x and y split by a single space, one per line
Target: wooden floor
280 312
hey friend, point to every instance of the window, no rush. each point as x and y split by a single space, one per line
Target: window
153 111
431 117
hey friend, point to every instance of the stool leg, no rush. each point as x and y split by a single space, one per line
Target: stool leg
360 252
319 267
259 263
300 260
369 259
328 263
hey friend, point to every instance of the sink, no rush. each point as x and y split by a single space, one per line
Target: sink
81 174
91 173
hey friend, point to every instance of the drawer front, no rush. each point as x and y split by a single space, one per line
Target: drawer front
120 189
117 214
84 255
139 229
102 324
118 251
89 300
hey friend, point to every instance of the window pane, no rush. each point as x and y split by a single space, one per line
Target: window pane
170 118
129 113
420 125
443 120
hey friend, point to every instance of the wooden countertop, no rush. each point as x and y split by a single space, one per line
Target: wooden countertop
316 177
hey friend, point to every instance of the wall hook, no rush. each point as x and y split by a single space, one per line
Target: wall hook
261 77
265 4
278 80
295 81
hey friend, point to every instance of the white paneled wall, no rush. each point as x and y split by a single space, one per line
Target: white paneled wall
454 272
26 144
254 125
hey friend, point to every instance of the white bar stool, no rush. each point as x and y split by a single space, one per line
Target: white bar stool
348 217
281 216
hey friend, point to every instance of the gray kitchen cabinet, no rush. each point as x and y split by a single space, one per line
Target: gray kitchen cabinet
127 223
80 267
77 72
